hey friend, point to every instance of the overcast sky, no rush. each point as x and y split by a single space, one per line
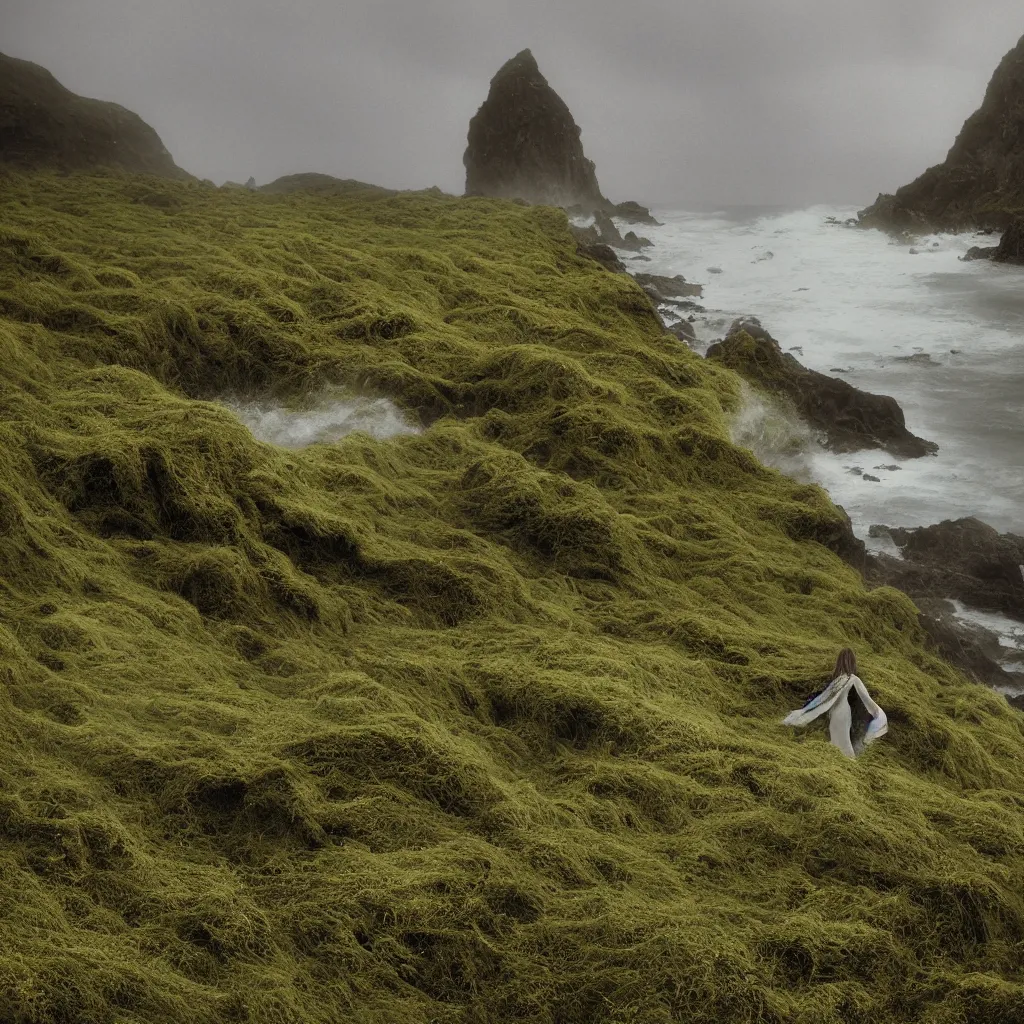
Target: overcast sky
680 101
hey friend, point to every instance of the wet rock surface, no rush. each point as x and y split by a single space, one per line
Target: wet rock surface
633 213
971 648
962 559
664 289
1011 245
44 126
849 419
603 254
979 252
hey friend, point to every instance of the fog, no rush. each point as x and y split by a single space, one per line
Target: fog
702 103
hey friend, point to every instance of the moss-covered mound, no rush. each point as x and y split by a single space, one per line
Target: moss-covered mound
479 724
981 181
43 125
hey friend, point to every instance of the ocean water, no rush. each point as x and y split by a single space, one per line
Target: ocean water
943 337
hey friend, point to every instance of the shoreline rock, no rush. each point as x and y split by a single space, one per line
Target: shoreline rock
965 560
962 559
1011 246
851 419
665 289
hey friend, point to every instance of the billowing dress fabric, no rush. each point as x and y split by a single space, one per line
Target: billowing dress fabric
836 699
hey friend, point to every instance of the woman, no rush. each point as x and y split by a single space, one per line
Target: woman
844 690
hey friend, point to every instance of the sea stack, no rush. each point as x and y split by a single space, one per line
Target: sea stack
44 126
981 181
524 143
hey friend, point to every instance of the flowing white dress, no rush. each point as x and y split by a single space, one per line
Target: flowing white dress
835 699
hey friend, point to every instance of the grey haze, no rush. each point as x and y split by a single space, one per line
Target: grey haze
699 102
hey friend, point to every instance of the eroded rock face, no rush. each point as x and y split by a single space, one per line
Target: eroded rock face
1011 245
44 126
850 419
524 143
964 559
981 181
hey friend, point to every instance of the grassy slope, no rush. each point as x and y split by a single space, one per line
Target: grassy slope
476 725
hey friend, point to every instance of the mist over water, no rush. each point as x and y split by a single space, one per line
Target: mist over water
328 418
943 337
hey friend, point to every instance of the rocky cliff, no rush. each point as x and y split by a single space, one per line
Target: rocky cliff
44 126
524 143
981 181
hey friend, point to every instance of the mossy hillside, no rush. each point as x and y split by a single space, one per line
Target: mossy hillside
479 724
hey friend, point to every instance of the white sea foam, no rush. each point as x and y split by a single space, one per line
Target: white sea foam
856 304
1009 632
328 418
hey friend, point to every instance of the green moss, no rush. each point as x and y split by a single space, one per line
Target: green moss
476 724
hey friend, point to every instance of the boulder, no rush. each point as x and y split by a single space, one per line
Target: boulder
523 143
44 126
1011 245
962 559
633 213
631 240
683 330
981 181
979 252
664 289
603 254
849 419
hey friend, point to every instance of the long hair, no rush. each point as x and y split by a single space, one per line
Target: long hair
846 664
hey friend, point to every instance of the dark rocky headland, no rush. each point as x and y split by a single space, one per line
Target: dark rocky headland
44 126
981 181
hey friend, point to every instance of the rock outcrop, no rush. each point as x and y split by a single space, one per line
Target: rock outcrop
44 126
981 181
1011 245
665 289
603 254
962 559
524 144
965 560
979 252
849 419
974 650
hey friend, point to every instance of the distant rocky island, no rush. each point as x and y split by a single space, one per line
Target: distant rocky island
981 181
525 144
